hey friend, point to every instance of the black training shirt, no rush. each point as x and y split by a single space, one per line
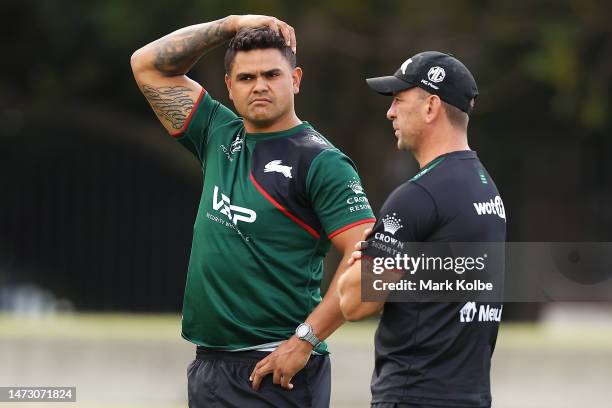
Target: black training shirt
439 353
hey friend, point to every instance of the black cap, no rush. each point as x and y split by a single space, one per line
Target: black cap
435 72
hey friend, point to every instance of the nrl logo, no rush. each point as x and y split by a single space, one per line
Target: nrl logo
278 167
236 145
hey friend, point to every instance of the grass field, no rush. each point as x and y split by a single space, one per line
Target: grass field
127 360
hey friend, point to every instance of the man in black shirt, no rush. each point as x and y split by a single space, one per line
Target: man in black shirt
432 354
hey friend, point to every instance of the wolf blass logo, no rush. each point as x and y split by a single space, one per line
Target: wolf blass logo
486 313
235 147
359 201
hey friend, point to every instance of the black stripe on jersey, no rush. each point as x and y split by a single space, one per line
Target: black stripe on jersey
280 167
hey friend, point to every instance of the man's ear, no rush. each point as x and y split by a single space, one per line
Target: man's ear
296 77
433 107
228 83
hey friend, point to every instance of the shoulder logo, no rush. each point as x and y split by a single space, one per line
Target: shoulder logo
392 224
467 312
278 167
355 185
436 74
318 139
494 206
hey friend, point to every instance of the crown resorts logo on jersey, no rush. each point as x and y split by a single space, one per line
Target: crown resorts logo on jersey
392 224
234 213
495 206
359 201
486 313
355 185
278 167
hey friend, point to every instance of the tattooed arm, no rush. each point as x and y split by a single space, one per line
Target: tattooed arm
160 67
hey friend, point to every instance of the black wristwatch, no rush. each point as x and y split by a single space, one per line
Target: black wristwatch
304 332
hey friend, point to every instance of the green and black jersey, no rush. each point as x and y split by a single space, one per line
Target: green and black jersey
270 204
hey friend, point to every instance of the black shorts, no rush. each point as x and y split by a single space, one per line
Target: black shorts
221 379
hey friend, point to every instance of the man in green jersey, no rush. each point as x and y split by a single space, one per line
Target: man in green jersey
276 196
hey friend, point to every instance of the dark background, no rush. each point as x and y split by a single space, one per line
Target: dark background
97 203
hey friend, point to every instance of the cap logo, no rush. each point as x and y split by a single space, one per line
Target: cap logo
436 74
405 65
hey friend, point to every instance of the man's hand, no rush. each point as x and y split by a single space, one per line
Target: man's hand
254 21
284 362
359 246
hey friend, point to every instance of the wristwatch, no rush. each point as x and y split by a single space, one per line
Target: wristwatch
305 332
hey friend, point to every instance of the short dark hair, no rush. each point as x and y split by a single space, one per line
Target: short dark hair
456 117
260 38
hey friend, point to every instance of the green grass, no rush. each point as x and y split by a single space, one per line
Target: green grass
92 326
167 327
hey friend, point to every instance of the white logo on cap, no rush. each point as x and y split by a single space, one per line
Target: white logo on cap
436 74
405 65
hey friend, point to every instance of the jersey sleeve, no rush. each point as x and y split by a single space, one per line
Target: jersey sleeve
206 115
408 215
335 191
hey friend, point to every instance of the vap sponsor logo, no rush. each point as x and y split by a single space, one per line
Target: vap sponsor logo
392 224
278 167
235 147
405 65
355 185
318 139
493 206
234 213
486 313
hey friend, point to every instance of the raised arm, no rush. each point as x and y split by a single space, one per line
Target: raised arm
160 67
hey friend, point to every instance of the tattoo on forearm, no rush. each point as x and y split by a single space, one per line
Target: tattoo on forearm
172 103
178 52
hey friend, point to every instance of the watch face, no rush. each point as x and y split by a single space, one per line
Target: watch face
302 330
